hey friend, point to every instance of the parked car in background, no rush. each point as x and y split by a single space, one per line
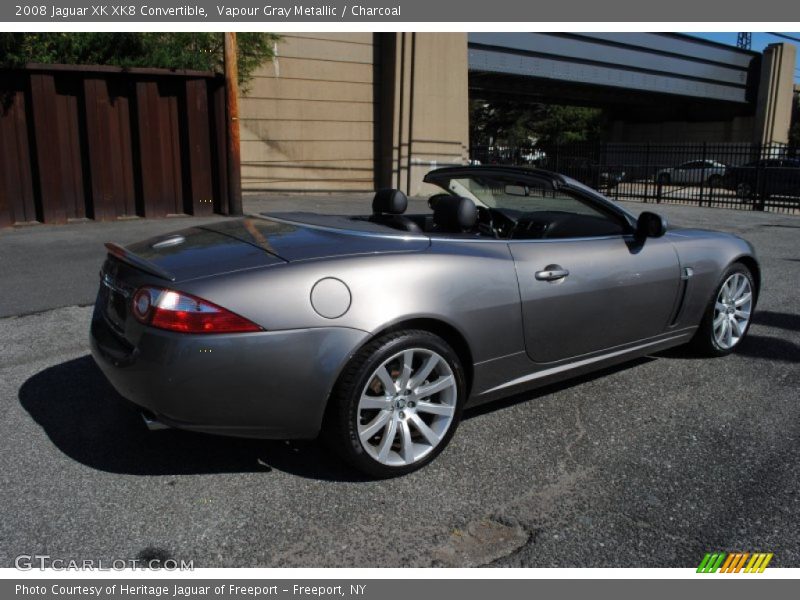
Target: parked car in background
693 172
764 178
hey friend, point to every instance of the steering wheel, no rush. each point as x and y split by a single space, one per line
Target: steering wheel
486 222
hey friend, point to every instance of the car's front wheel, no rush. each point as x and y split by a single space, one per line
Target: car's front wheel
397 403
728 315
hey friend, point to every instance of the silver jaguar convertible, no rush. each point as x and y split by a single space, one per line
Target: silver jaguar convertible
376 331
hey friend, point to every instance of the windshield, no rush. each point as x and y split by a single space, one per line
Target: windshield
506 194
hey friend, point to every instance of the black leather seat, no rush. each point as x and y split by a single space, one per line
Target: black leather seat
454 214
388 207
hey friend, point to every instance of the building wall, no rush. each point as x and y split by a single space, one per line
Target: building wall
738 129
426 101
776 93
307 118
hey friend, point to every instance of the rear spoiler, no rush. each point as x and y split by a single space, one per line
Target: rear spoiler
124 255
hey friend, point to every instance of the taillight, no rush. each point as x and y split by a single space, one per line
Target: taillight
177 311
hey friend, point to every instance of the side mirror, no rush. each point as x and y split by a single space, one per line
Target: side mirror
650 224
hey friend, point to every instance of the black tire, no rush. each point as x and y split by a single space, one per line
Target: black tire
704 342
744 190
340 429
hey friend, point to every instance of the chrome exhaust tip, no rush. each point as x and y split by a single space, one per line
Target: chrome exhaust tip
152 423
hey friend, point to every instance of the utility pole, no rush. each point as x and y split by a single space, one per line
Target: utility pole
232 120
744 40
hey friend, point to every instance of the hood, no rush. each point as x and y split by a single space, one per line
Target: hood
698 233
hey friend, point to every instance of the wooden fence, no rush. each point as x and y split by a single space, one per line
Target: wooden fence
85 142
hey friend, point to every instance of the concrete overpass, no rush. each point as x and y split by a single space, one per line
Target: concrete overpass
621 66
341 111
657 87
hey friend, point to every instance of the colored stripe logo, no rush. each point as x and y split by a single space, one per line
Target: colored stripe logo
736 562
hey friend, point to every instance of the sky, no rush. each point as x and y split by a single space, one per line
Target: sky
760 41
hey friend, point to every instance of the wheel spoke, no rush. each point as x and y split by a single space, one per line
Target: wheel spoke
387 441
374 426
718 321
731 286
435 409
729 335
405 373
740 288
389 386
744 299
723 332
720 306
428 433
743 315
423 372
436 386
374 402
736 328
406 445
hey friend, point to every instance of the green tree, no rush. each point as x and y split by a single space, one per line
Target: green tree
565 124
514 123
170 50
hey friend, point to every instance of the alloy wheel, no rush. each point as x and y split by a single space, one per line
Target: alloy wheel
732 311
407 407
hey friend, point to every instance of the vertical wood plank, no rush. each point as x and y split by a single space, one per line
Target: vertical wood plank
108 138
201 192
17 202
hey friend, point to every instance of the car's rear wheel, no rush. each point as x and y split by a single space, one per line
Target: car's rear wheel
397 403
728 315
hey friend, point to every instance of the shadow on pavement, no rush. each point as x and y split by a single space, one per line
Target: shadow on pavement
769 348
89 422
780 320
552 388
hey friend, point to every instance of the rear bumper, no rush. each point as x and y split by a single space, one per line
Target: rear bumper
272 384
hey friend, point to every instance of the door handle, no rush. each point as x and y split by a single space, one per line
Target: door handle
551 273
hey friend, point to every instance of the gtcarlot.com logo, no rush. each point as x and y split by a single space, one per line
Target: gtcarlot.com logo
28 562
734 562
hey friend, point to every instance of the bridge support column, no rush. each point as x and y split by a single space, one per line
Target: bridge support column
775 94
422 106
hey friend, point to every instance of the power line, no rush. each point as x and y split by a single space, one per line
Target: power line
784 36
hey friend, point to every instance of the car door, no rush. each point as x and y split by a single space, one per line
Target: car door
583 293
612 293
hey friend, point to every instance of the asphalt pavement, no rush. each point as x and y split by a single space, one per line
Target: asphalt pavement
650 464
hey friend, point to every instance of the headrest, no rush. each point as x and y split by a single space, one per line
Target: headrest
389 202
454 213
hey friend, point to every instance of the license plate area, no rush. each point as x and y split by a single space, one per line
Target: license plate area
115 297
